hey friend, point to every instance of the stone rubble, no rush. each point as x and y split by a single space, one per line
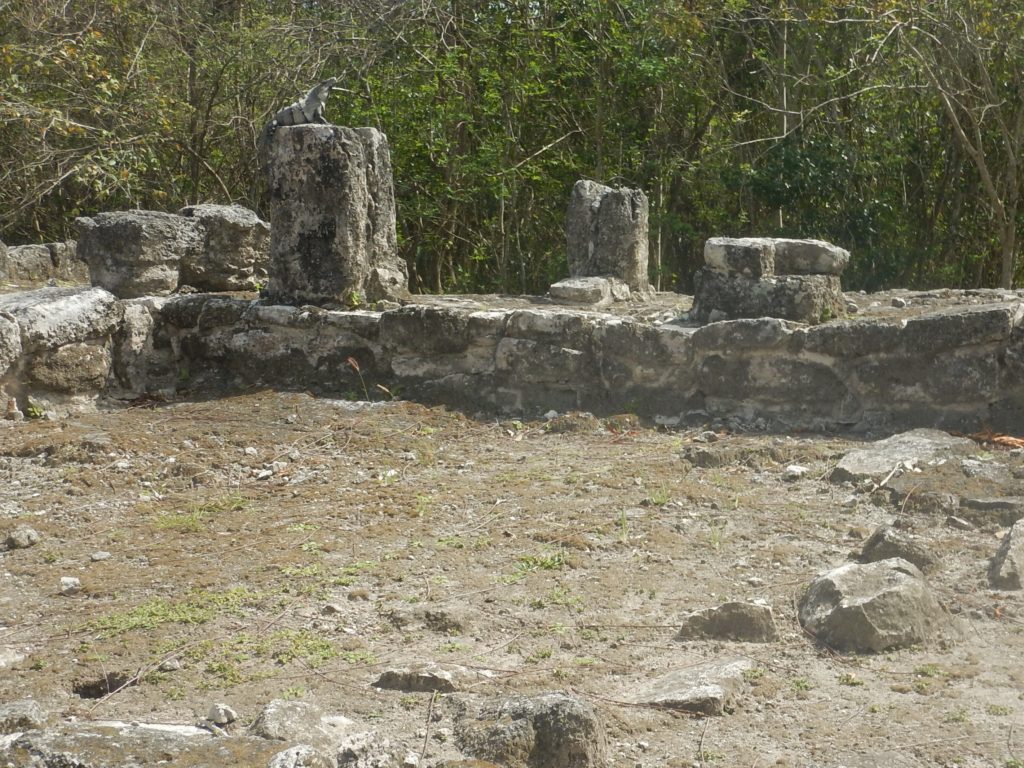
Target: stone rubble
708 689
873 607
738 621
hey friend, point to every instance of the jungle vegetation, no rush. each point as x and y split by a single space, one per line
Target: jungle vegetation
894 128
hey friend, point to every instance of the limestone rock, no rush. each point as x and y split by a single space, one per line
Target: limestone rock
809 257
24 715
51 317
597 291
10 343
221 714
235 249
554 730
364 750
301 722
740 257
36 264
332 213
806 299
425 678
72 368
301 756
137 253
887 542
992 510
872 607
918 446
707 689
606 234
1007 568
120 745
22 537
744 622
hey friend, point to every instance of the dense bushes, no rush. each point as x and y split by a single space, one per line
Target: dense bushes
894 130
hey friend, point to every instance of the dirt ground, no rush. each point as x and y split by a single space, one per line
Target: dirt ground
276 545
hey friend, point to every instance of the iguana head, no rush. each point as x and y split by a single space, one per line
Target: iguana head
323 90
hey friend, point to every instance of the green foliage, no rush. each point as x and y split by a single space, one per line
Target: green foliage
735 118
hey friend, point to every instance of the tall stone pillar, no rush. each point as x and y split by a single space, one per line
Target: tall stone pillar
332 217
606 234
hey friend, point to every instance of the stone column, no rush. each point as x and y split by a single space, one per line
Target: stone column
606 234
332 217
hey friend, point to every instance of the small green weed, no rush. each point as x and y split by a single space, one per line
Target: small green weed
848 678
199 608
755 674
660 497
801 684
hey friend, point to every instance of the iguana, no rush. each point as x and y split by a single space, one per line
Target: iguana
308 109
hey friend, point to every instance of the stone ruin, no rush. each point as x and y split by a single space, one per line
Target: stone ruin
772 362
606 246
751 277
332 214
152 253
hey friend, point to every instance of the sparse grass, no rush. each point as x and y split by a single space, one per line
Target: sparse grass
754 674
659 497
198 608
928 670
801 684
850 679
553 561
191 519
558 596
998 710
539 655
959 715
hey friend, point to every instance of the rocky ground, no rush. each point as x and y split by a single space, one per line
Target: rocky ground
275 546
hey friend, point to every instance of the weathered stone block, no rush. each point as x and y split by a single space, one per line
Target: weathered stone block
235 249
332 213
807 299
598 291
918 446
743 622
853 338
760 334
606 234
744 256
564 327
10 344
872 607
52 317
954 328
36 264
72 368
707 689
809 257
554 730
529 361
136 253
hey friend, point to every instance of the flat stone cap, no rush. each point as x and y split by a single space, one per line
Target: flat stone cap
741 256
809 257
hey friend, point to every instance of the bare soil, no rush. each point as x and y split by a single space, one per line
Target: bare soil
276 545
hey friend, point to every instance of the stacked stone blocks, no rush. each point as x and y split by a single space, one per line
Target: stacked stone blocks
769 277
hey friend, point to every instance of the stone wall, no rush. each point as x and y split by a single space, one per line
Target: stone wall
953 368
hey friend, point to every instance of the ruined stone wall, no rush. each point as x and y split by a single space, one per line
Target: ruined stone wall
960 368
954 368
